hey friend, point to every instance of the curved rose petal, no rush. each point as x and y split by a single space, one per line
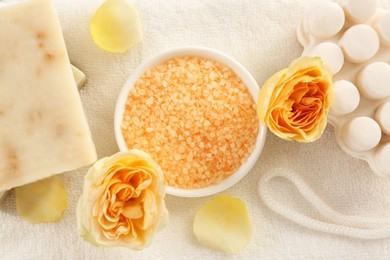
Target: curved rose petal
223 224
41 201
267 93
164 220
133 210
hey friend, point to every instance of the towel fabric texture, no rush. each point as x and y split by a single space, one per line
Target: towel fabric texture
261 36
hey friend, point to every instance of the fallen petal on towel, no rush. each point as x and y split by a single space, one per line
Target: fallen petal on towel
223 224
41 201
116 26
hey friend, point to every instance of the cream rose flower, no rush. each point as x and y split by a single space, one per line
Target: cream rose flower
123 201
294 102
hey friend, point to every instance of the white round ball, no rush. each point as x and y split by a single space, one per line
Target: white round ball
382 116
360 10
383 28
346 97
374 79
361 134
325 20
331 54
359 43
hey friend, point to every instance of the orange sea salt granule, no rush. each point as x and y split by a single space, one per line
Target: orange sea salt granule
195 117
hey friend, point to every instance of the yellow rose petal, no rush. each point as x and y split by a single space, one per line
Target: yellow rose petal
41 201
116 26
132 210
79 77
223 224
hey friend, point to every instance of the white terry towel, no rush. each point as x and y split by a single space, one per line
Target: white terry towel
261 36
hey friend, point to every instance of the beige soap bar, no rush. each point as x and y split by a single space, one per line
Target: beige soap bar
43 129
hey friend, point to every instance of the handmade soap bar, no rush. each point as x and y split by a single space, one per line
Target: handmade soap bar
43 129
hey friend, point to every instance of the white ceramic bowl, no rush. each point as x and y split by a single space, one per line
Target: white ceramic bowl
204 53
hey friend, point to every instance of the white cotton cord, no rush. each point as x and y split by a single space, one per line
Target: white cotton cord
322 207
339 224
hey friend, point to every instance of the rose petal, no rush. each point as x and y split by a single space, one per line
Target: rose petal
223 224
164 219
41 201
150 210
133 210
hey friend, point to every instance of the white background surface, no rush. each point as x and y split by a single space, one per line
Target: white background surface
259 34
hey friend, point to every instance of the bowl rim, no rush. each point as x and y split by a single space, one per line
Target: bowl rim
208 53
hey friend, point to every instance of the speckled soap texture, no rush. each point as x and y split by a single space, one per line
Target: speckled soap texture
43 129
